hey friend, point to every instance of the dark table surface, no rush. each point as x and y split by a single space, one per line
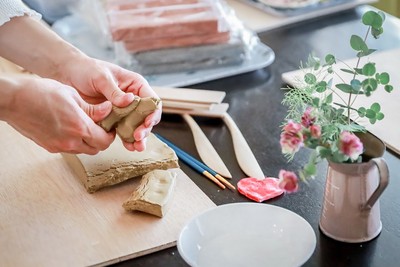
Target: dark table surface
255 105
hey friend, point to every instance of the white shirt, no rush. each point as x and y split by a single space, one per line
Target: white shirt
14 8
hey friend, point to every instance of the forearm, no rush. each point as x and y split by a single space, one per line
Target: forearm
9 88
30 44
13 88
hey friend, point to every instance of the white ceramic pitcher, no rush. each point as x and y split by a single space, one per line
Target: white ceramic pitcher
351 211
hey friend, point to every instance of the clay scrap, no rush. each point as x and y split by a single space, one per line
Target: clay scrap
153 194
126 120
259 190
117 164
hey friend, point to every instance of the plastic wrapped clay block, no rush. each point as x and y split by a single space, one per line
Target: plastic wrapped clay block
140 4
154 193
116 164
162 22
171 42
191 58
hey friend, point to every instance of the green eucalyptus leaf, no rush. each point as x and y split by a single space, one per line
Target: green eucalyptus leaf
339 157
376 32
347 88
370 114
340 105
388 88
321 87
344 87
330 59
384 78
362 111
352 127
330 70
369 85
356 85
340 111
373 19
372 120
348 71
357 43
356 128
365 53
358 70
323 151
369 69
310 78
315 101
380 116
329 98
376 107
310 169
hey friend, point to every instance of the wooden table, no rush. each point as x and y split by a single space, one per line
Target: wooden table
255 106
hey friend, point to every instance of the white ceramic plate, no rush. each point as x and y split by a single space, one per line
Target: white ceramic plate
247 234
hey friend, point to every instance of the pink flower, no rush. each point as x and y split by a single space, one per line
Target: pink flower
350 145
292 127
291 138
288 181
315 131
307 120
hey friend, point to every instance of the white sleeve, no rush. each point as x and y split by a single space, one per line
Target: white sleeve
14 8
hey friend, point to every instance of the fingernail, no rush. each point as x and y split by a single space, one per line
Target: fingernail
140 136
129 96
149 124
124 99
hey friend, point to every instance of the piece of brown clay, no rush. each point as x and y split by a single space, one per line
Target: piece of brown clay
116 164
154 193
126 120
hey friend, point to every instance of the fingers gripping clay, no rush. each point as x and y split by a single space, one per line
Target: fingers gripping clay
126 120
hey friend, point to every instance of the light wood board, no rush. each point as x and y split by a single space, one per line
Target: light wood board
387 129
190 95
48 219
259 21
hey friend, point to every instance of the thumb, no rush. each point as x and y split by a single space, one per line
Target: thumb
99 111
117 97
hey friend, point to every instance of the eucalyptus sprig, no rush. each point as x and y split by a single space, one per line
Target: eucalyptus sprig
318 122
365 80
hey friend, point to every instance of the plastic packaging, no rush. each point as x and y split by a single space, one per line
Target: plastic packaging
129 4
164 36
166 21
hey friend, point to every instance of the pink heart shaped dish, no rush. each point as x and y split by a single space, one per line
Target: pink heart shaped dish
259 190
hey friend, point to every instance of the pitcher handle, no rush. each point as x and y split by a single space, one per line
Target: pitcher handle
383 182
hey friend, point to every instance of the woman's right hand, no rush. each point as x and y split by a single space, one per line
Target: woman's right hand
54 115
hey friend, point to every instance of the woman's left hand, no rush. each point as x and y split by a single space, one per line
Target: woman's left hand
97 81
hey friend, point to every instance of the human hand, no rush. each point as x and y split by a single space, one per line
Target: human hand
54 116
98 80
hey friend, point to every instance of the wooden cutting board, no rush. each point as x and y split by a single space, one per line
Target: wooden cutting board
386 129
48 219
